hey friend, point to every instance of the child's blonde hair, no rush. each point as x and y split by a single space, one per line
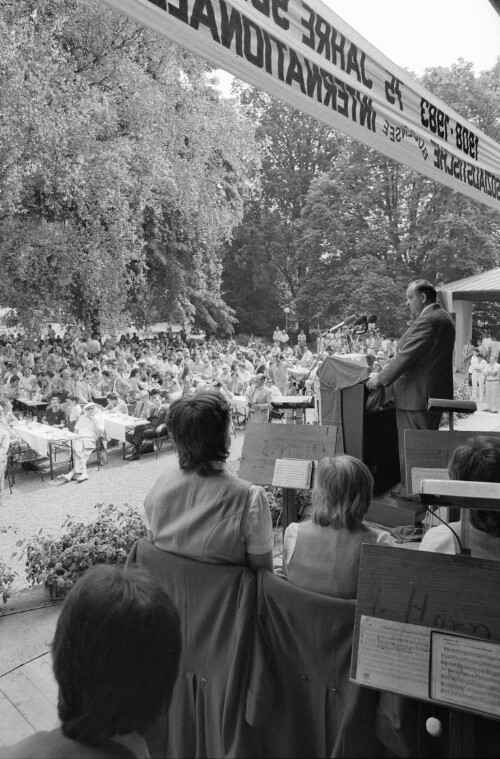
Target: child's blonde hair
342 492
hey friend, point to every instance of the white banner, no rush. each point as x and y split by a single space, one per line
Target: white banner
304 54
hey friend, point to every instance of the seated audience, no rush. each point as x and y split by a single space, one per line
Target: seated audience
323 554
106 384
144 406
73 411
12 389
115 405
115 656
202 510
172 386
27 381
54 414
120 386
153 426
476 461
89 428
273 390
135 385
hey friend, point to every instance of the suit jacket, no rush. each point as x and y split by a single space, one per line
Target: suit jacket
423 365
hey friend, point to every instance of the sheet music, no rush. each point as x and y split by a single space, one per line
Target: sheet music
465 672
292 473
394 656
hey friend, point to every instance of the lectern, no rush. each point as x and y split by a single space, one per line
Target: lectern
369 435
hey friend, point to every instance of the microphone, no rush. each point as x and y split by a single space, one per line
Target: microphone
345 323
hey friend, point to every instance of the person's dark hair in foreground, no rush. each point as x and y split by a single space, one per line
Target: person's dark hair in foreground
116 654
478 460
199 428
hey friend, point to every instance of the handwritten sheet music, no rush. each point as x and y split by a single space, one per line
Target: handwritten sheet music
465 672
394 656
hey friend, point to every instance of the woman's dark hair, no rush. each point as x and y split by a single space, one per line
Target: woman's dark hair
199 429
478 460
116 654
134 372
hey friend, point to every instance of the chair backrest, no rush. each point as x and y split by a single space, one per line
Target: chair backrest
217 607
300 694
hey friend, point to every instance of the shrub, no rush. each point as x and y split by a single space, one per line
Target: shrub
7 577
59 562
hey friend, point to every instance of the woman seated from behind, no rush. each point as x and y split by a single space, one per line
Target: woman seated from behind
202 510
478 460
323 554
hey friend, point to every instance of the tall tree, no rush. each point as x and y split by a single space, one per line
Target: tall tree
122 171
371 224
295 148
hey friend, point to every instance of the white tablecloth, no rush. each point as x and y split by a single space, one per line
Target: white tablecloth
38 436
117 425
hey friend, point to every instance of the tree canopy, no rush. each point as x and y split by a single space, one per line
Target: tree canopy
130 189
350 230
122 170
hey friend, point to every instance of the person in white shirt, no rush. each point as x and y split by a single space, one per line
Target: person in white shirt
477 368
115 404
73 411
492 387
478 460
307 359
89 428
275 392
259 400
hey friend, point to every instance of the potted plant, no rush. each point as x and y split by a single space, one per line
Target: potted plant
59 562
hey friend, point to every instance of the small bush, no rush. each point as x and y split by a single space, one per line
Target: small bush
7 577
59 562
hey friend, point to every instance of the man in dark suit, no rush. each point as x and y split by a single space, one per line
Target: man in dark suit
422 367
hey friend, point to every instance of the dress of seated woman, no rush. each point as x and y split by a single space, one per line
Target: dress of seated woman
323 554
201 510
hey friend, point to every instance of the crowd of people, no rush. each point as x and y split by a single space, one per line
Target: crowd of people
123 625
70 378
483 367
204 512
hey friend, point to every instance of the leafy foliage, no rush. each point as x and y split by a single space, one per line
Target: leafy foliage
340 229
7 577
122 170
108 540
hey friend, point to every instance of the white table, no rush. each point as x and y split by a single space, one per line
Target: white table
116 426
46 440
